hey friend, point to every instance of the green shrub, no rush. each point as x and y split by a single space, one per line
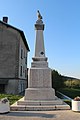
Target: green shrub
70 92
57 81
69 102
11 98
72 83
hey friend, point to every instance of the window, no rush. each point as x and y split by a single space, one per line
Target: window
26 59
21 71
25 73
24 53
21 53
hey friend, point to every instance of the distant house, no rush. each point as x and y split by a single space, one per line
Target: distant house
13 59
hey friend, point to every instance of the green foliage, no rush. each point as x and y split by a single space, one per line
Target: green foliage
68 102
68 83
72 83
57 81
11 98
70 92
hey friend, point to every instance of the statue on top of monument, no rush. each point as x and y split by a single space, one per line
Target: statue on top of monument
39 15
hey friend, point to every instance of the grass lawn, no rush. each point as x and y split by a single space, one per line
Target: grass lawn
70 92
11 98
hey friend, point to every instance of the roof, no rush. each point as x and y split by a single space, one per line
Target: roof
20 31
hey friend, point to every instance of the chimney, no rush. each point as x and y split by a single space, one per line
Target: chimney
5 19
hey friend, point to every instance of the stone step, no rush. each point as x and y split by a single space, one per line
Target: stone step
40 103
21 105
40 108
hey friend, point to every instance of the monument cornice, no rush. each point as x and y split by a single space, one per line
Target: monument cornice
39 26
39 58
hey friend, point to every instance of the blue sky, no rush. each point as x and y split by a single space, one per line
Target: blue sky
61 34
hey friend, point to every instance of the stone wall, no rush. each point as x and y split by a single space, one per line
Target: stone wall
10 47
15 86
8 42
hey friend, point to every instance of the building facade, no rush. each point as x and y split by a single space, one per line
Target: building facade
13 59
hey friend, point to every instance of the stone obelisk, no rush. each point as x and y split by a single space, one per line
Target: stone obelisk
39 84
39 95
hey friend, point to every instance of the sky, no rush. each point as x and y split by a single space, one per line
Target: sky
61 33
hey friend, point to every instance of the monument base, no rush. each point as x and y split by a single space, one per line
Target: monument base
32 105
40 94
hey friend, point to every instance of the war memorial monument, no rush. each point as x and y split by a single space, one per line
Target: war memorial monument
39 95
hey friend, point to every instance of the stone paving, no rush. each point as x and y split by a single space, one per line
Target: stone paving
41 115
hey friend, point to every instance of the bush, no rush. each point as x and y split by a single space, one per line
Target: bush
11 98
70 92
68 102
72 83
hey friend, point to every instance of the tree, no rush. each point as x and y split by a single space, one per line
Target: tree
57 81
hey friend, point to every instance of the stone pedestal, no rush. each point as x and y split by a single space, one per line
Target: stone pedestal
43 94
39 86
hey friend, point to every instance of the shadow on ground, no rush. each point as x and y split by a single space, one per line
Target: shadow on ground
30 114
